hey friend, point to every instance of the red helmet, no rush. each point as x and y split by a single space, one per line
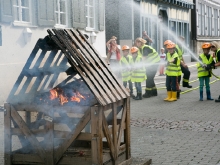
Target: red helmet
125 47
167 42
171 45
134 49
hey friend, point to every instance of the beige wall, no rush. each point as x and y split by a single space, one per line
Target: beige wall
14 54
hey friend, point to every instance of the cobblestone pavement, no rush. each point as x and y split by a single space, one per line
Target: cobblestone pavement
185 132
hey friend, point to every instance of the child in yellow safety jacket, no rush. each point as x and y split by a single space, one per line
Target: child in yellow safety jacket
138 74
125 62
204 68
173 70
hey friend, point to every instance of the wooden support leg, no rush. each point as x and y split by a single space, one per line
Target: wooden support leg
96 130
127 130
114 131
49 141
7 137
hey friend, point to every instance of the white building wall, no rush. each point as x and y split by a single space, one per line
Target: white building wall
15 52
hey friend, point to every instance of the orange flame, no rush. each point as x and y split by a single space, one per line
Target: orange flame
75 99
53 94
63 99
58 93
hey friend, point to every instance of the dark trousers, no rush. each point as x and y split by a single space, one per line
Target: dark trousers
171 83
129 85
186 74
151 72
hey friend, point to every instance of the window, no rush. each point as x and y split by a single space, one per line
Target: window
22 11
200 19
203 20
90 14
209 21
215 22
0 35
61 12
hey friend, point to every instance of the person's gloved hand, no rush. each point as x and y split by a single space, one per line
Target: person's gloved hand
208 67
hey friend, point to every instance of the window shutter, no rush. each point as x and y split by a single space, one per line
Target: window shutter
46 12
79 15
101 22
6 11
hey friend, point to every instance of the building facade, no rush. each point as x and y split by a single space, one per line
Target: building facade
23 22
161 19
205 23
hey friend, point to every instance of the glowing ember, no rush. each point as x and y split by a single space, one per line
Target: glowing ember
63 99
58 93
53 94
75 99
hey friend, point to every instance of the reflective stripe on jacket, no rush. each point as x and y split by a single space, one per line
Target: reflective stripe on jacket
202 71
151 58
125 64
139 73
173 69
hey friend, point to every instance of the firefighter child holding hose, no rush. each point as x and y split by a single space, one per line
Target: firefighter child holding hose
173 70
125 62
204 68
138 74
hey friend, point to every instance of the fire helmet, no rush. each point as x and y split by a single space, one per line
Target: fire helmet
206 45
125 47
134 49
171 45
167 42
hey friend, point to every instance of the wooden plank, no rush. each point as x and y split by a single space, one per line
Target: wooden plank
108 136
96 130
11 97
49 142
71 137
126 162
29 135
82 65
114 133
107 157
57 134
97 73
47 108
114 85
119 87
127 132
121 124
27 159
7 134
71 160
86 79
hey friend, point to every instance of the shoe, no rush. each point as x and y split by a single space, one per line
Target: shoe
178 95
174 97
132 95
138 97
201 96
186 84
154 92
147 94
169 95
209 95
217 100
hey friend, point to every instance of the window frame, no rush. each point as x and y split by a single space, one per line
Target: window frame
58 24
88 17
20 22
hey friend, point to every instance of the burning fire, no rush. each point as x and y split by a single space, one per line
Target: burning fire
58 93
